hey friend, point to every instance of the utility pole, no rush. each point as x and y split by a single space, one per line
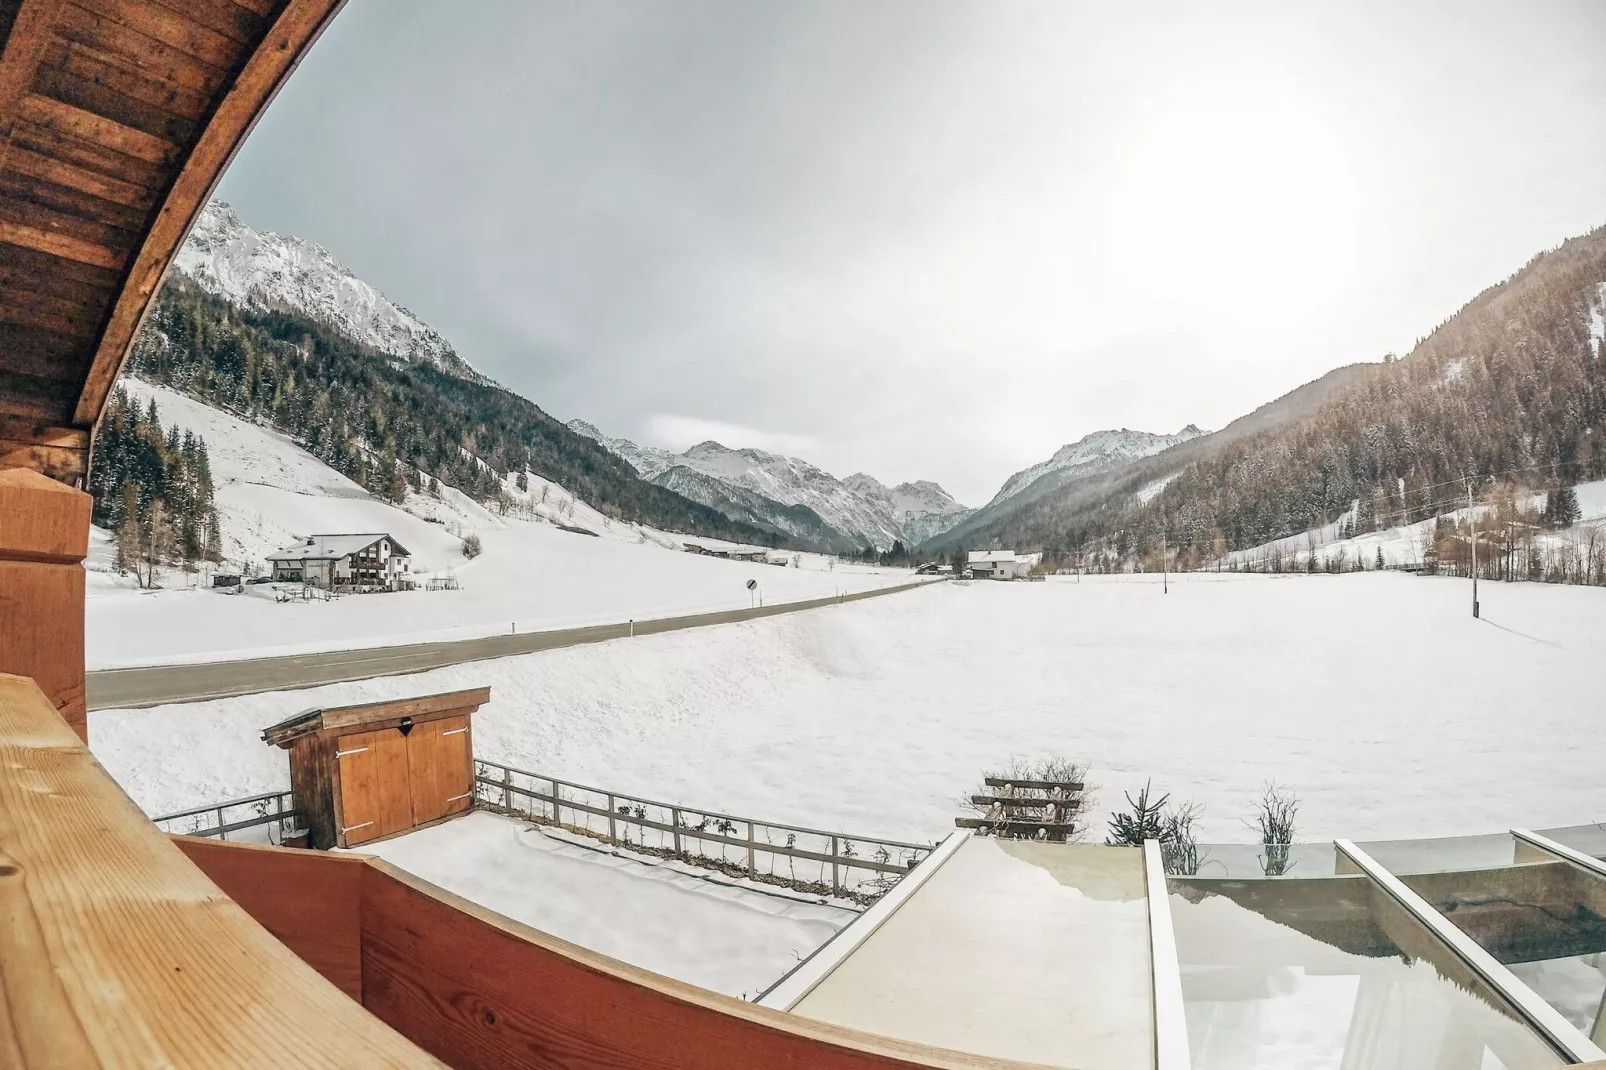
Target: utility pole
1165 576
1472 513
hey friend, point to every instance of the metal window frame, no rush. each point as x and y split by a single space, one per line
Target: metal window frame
803 978
1546 1022
1586 862
1171 1051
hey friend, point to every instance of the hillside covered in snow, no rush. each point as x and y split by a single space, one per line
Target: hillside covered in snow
549 560
273 329
792 495
1509 393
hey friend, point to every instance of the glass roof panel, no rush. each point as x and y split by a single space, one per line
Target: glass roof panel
1256 860
1331 972
1589 839
1546 922
1443 854
1013 949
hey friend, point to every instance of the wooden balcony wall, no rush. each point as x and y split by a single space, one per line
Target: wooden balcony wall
480 990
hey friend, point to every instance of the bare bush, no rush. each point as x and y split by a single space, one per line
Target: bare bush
1275 822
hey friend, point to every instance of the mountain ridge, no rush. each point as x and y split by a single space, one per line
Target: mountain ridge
228 257
860 510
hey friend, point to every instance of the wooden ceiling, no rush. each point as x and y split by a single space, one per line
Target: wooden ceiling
117 118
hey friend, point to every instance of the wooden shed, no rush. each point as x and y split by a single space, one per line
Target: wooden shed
358 773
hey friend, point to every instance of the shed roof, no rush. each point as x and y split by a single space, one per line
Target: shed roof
422 707
334 547
979 557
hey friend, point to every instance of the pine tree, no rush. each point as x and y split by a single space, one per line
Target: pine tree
1380 563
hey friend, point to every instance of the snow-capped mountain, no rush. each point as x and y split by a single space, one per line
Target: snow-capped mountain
245 266
859 509
921 509
648 461
1094 453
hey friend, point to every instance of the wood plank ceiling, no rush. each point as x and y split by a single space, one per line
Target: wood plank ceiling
117 117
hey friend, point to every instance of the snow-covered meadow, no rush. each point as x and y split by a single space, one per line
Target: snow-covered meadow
531 574
1375 696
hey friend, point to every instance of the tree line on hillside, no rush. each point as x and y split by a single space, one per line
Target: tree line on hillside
387 423
153 489
1510 392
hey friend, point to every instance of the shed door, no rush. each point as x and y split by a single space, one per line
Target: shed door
374 798
440 766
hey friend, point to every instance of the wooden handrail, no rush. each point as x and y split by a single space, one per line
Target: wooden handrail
116 950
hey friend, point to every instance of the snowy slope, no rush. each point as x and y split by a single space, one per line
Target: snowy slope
532 573
859 508
1098 452
228 258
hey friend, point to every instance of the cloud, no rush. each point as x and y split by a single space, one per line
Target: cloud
941 240
673 431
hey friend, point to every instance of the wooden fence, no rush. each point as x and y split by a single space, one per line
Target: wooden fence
858 868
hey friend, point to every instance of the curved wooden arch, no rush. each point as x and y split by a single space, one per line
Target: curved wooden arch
117 117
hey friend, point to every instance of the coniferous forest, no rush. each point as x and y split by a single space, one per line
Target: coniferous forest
388 423
153 489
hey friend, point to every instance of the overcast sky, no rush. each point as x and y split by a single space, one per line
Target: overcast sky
931 240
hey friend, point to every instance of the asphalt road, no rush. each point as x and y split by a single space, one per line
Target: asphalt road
156 684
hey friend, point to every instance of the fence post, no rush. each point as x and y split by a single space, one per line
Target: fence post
222 833
507 788
557 809
836 878
674 819
750 848
612 833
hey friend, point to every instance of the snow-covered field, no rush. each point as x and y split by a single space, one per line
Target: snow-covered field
668 918
1375 696
531 575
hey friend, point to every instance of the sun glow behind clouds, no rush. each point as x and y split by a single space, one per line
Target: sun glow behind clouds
1241 191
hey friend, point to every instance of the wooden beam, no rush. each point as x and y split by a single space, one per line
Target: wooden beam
1005 800
62 453
1033 786
296 28
44 538
116 951
31 32
1016 826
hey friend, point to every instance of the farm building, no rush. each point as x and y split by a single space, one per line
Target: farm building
1001 564
370 562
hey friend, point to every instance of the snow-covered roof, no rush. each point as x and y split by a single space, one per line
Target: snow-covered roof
987 557
333 547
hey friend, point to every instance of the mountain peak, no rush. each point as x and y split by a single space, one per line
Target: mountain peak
1095 452
228 258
